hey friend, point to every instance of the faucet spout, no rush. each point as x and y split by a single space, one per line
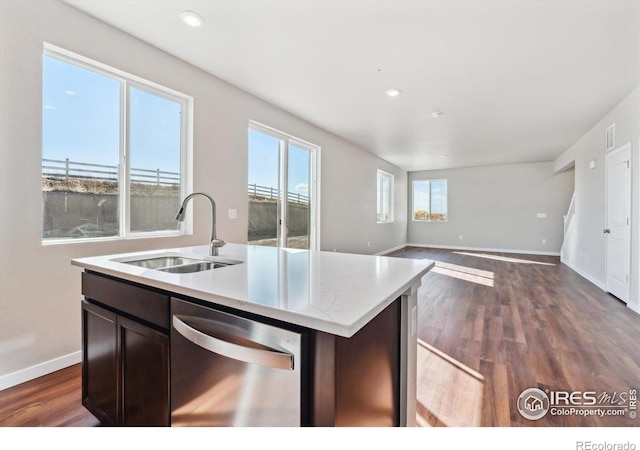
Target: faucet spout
214 242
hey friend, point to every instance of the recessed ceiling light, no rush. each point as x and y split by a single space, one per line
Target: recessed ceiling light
192 19
393 92
436 114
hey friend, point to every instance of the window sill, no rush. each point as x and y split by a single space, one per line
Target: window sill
63 241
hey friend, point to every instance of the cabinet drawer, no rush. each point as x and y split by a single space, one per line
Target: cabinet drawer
144 304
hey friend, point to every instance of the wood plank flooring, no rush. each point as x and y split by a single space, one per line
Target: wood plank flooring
51 401
490 325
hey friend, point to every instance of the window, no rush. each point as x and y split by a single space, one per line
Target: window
282 189
384 208
114 151
430 200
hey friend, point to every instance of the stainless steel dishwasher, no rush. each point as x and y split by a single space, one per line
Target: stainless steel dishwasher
227 370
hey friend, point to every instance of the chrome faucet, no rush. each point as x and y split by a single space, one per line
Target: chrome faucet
214 243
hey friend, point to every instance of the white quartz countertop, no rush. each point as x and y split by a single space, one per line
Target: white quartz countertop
337 293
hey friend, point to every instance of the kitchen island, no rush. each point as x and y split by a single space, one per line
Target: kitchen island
344 327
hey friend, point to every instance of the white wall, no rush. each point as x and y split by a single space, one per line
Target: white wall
495 207
587 255
39 289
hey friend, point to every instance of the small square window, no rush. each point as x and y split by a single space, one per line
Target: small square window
429 201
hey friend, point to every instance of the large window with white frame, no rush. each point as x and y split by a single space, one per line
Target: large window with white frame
429 201
115 151
384 197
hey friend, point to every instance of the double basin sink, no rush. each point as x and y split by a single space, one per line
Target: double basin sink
179 264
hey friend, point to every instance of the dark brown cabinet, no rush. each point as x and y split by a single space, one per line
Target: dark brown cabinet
100 362
144 374
125 361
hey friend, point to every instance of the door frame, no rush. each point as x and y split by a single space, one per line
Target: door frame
623 148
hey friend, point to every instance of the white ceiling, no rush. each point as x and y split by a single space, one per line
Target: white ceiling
517 81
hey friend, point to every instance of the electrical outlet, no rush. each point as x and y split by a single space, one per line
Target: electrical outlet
233 214
541 215
368 243
460 237
544 241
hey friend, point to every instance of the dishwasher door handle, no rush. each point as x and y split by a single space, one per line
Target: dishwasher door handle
269 358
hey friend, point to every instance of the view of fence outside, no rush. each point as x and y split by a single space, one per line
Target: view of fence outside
81 200
263 217
262 193
65 169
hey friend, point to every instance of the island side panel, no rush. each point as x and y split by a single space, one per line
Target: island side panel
322 395
356 381
368 373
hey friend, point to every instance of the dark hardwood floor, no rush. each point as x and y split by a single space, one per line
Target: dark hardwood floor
490 325
50 401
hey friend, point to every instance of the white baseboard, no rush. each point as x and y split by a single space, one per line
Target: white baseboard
45 368
481 249
391 250
585 275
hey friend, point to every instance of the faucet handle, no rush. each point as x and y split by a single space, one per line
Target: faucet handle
214 245
217 243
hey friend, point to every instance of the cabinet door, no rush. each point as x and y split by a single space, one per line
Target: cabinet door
144 358
100 362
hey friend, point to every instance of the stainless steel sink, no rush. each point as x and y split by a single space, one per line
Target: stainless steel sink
161 262
178 263
194 267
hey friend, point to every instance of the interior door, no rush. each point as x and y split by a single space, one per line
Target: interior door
618 227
